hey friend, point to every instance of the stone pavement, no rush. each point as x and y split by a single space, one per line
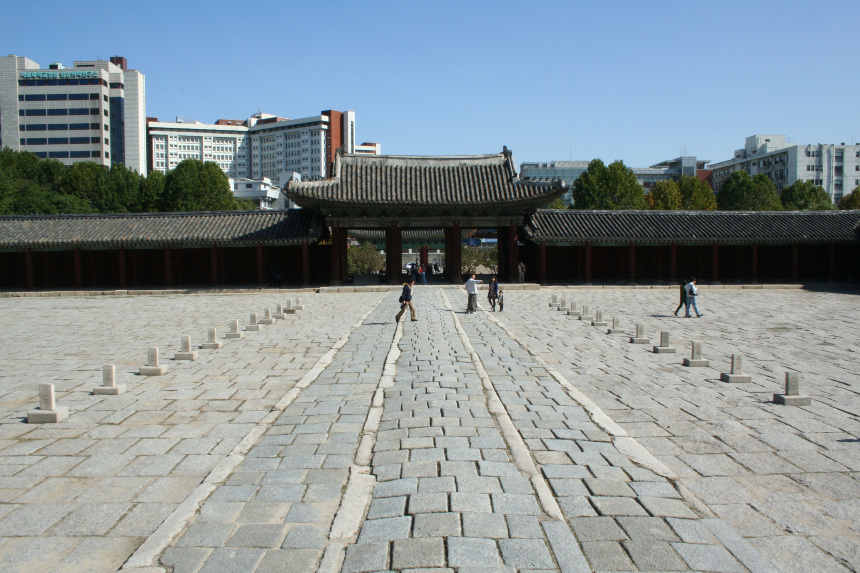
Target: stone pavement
518 441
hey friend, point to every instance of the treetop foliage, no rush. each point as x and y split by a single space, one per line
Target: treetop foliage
607 187
851 201
804 196
742 192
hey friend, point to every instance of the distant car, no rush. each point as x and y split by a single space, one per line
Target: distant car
407 268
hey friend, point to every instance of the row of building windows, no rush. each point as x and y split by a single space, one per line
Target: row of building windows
70 154
58 97
61 126
62 140
66 82
62 111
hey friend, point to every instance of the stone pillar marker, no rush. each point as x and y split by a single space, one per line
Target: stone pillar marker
792 396
153 368
553 303
639 336
279 312
737 373
586 313
696 359
253 324
234 331
290 309
185 351
598 319
212 341
573 312
564 306
267 317
616 326
665 347
109 386
48 412
298 305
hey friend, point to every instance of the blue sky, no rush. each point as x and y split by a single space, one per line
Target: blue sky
551 80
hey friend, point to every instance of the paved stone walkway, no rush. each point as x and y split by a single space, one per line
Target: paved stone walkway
518 441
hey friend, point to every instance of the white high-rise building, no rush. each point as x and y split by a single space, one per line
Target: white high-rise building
836 168
93 111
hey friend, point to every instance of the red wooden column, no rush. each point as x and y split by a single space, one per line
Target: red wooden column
28 268
715 263
794 263
542 263
673 262
260 264
168 267
588 262
213 264
513 255
306 265
454 255
755 262
121 265
78 268
632 261
831 263
393 253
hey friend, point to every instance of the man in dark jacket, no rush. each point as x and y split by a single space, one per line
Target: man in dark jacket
406 301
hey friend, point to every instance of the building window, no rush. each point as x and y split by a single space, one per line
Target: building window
32 112
78 96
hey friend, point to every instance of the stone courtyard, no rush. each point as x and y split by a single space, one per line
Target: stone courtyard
522 440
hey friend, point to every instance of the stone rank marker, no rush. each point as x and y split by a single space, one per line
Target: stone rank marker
185 351
298 304
48 412
279 312
639 336
665 346
553 303
152 367
290 308
696 359
564 306
212 341
792 396
616 326
234 331
253 324
598 319
737 373
109 386
586 313
267 317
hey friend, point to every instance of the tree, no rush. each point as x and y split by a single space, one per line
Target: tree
197 186
472 257
151 192
612 187
557 203
86 180
364 259
741 192
804 196
851 201
666 196
696 195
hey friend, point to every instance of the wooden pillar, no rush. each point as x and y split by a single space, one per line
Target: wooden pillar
513 255
393 253
755 262
588 262
831 263
715 263
632 261
260 274
213 264
28 268
454 257
794 263
673 262
78 283
306 265
121 265
542 263
168 267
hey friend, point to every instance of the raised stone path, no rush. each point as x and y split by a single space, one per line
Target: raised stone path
525 440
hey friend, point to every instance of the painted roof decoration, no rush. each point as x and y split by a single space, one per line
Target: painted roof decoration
399 185
576 226
239 228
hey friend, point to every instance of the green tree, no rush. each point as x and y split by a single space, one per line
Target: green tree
741 192
665 195
150 194
696 195
612 187
472 257
87 181
197 186
557 203
804 196
364 259
851 201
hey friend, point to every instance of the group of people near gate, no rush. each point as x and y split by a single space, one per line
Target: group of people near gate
495 296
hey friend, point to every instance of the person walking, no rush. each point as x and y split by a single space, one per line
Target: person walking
683 297
472 291
406 301
493 293
501 301
692 293
522 271
422 270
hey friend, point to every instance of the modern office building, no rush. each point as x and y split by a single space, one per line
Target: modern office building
836 168
263 192
93 111
262 146
569 171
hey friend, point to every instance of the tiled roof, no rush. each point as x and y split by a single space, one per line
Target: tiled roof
388 185
160 229
693 227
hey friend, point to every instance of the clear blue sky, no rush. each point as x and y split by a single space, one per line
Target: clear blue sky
551 80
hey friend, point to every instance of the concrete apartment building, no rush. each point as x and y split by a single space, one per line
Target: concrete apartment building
836 168
92 111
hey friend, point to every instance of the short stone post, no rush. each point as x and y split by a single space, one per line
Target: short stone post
616 326
279 312
665 347
553 303
290 308
639 336
598 319
254 324
152 367
267 317
212 341
737 373
696 359
48 412
586 313
298 305
564 306
109 386
234 331
792 396
573 312
185 351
